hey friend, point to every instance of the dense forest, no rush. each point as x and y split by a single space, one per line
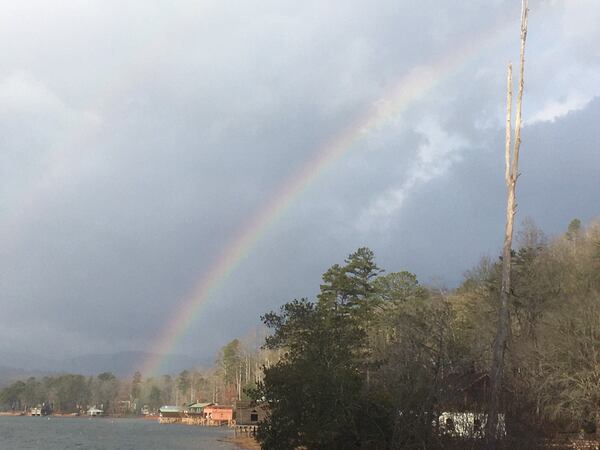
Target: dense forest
378 360
238 367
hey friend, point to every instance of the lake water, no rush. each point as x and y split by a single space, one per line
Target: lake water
58 433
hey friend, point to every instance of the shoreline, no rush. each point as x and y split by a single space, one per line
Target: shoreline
243 442
75 416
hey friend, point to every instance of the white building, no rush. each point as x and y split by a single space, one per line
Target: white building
93 411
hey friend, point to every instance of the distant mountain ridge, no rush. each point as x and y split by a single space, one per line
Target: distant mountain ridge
10 374
122 364
125 364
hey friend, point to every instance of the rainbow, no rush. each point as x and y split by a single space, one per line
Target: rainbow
406 91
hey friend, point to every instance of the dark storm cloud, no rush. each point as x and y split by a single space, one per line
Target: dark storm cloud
138 139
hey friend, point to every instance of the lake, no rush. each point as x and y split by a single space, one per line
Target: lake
82 433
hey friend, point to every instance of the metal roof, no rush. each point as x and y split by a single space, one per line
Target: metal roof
170 408
200 405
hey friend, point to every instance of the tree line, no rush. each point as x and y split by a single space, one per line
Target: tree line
376 359
66 393
238 367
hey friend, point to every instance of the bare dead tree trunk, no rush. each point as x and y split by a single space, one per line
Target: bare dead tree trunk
511 173
192 388
247 368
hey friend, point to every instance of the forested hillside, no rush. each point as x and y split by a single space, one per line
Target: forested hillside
377 358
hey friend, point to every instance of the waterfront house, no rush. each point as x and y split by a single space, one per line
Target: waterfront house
40 410
247 413
197 408
218 415
464 405
468 424
170 414
194 414
94 412
170 411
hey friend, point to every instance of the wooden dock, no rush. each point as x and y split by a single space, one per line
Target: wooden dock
169 420
245 430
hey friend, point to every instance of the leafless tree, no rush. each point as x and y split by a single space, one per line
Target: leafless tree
510 177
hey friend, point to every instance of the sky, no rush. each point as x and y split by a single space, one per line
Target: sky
139 140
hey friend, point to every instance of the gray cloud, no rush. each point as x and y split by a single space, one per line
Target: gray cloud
136 141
